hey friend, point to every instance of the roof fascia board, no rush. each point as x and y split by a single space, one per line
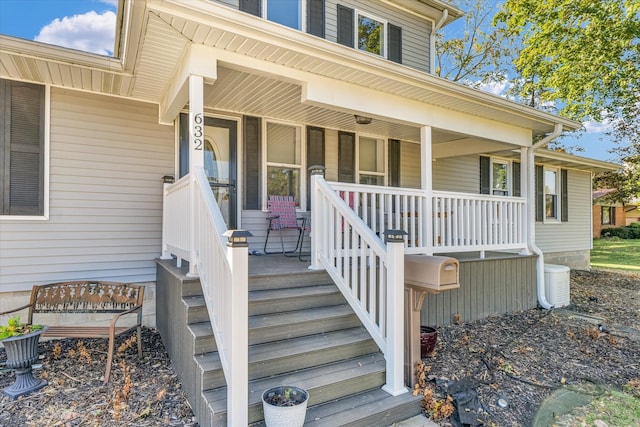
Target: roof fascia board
62 55
228 19
571 158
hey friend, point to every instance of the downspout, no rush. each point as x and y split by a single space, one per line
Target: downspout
434 30
531 217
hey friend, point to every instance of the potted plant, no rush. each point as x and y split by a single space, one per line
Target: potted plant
21 344
285 406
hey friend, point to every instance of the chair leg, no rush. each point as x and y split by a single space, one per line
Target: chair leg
139 342
109 357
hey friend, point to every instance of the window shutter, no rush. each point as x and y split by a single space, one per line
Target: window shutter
394 163
517 191
564 203
315 17
485 175
253 7
395 43
315 155
346 157
345 26
612 215
252 161
22 141
539 177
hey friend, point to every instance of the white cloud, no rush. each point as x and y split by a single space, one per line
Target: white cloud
592 126
89 32
496 88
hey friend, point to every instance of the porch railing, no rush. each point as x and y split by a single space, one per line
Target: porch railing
459 222
369 274
223 272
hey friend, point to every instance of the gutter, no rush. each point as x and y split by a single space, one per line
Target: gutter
531 213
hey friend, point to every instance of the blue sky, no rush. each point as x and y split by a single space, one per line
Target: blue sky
89 25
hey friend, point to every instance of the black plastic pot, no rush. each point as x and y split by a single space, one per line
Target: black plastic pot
428 338
22 352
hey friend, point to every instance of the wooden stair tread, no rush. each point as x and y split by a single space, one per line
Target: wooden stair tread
278 294
309 315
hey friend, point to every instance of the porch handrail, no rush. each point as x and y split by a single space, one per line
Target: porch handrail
467 222
460 222
369 274
223 272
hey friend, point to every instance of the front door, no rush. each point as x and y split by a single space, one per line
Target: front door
220 165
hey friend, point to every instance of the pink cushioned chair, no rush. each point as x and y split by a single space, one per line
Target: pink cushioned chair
282 216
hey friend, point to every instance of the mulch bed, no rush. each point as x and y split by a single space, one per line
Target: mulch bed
520 357
141 392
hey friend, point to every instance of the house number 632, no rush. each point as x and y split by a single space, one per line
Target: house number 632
197 131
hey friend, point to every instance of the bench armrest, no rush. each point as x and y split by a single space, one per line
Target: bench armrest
16 309
117 316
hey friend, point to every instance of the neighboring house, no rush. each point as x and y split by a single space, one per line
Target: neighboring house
607 214
236 100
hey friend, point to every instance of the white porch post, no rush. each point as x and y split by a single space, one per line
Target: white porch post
238 381
395 313
196 156
426 176
317 221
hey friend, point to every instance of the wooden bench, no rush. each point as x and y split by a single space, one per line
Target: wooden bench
88 297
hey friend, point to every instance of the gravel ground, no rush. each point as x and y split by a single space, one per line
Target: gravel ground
520 357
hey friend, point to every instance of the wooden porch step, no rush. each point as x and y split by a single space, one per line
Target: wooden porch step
283 300
275 358
278 326
324 383
203 339
288 281
373 408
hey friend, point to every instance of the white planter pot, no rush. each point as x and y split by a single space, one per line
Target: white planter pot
285 416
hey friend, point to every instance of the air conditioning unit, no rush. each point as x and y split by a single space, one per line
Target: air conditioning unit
556 285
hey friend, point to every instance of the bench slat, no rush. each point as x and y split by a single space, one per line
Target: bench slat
82 331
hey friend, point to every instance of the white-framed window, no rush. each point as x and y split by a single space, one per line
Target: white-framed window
290 13
283 153
608 215
500 177
372 160
370 34
551 194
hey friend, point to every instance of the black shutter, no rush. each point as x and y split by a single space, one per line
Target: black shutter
184 144
395 43
485 175
315 155
315 17
612 215
564 196
346 157
394 163
539 177
345 26
252 161
253 7
515 169
22 146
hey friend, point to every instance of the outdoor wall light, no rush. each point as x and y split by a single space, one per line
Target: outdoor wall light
362 120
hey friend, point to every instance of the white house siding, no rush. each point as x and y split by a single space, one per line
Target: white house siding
107 158
569 242
459 174
416 32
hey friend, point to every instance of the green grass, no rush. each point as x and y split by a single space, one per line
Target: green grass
617 409
616 254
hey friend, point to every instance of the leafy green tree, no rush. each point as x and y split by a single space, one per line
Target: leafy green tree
583 54
481 53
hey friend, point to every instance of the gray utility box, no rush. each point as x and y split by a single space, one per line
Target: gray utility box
435 273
